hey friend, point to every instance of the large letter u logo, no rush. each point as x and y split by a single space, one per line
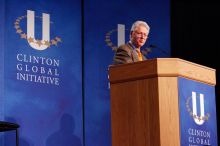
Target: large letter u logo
38 44
198 119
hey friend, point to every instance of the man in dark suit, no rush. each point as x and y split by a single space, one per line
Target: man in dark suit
130 52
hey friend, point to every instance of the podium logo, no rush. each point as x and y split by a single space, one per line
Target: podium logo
198 119
120 37
38 44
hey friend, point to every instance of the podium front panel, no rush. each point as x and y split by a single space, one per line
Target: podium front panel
197 113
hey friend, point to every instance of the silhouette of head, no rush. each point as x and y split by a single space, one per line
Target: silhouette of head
67 123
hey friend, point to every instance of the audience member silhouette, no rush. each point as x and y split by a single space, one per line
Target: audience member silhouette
65 135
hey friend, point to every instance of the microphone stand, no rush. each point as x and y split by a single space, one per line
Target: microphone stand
160 49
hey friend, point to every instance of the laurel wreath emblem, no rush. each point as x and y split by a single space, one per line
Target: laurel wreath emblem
205 118
108 39
23 35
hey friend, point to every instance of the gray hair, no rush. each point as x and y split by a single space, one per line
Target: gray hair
140 23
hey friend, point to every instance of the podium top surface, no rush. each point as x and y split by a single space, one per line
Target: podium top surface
162 67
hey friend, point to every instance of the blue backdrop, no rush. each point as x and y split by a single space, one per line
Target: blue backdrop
2 10
101 21
43 88
41 79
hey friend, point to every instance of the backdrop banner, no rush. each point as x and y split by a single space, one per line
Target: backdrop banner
107 25
44 73
197 113
41 71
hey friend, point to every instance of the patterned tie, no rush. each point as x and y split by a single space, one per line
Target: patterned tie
139 55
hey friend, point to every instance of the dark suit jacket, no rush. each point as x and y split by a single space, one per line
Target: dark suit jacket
126 54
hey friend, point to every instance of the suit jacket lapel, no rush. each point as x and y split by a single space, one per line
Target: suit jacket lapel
133 53
144 58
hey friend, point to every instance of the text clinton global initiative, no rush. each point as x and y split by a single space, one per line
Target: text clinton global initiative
37 69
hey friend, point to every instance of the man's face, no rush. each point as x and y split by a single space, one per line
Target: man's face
139 36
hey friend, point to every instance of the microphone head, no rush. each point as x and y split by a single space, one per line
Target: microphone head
146 51
153 46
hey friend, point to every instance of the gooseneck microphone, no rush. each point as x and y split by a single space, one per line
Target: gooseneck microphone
149 49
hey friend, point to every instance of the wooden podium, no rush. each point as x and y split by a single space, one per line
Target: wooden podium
144 100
